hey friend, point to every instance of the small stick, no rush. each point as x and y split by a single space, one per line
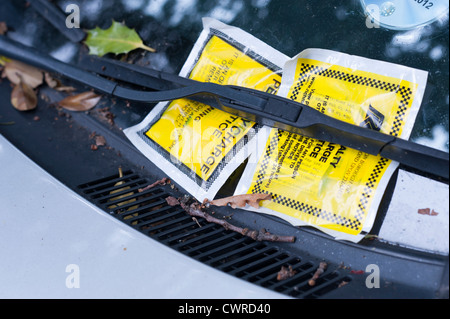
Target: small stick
163 181
195 210
319 271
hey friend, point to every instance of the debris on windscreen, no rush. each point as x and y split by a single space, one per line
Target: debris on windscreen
427 211
23 98
80 102
25 79
98 140
16 72
56 84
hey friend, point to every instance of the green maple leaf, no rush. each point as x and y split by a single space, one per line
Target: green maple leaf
118 38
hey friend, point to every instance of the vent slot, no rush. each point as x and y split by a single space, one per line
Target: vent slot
240 256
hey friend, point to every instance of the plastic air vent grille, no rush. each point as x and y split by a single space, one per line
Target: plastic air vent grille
256 262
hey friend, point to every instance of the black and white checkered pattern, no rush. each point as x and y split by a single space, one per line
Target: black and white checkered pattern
406 93
305 70
369 188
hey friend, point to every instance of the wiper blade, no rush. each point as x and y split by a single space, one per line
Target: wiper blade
260 107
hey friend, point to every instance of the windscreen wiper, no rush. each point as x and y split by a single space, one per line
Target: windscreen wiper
261 107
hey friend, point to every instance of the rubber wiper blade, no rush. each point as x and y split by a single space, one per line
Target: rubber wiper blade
260 107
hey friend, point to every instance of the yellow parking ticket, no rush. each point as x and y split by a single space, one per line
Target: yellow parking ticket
199 136
317 182
199 146
325 185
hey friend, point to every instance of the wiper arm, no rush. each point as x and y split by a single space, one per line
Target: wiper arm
260 107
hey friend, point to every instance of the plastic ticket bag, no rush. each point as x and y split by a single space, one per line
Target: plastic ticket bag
199 146
331 187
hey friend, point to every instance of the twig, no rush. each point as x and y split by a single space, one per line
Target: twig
162 181
195 220
195 210
322 266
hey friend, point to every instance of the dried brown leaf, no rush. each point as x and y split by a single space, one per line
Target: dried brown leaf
51 82
23 97
240 200
56 84
15 71
424 211
80 102
100 140
427 211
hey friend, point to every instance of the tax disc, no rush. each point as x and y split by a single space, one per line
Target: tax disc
404 14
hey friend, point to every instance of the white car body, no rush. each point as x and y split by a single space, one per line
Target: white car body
55 244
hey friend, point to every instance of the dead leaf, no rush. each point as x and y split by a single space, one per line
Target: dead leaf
15 71
240 200
427 211
80 102
51 82
56 84
100 140
23 98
